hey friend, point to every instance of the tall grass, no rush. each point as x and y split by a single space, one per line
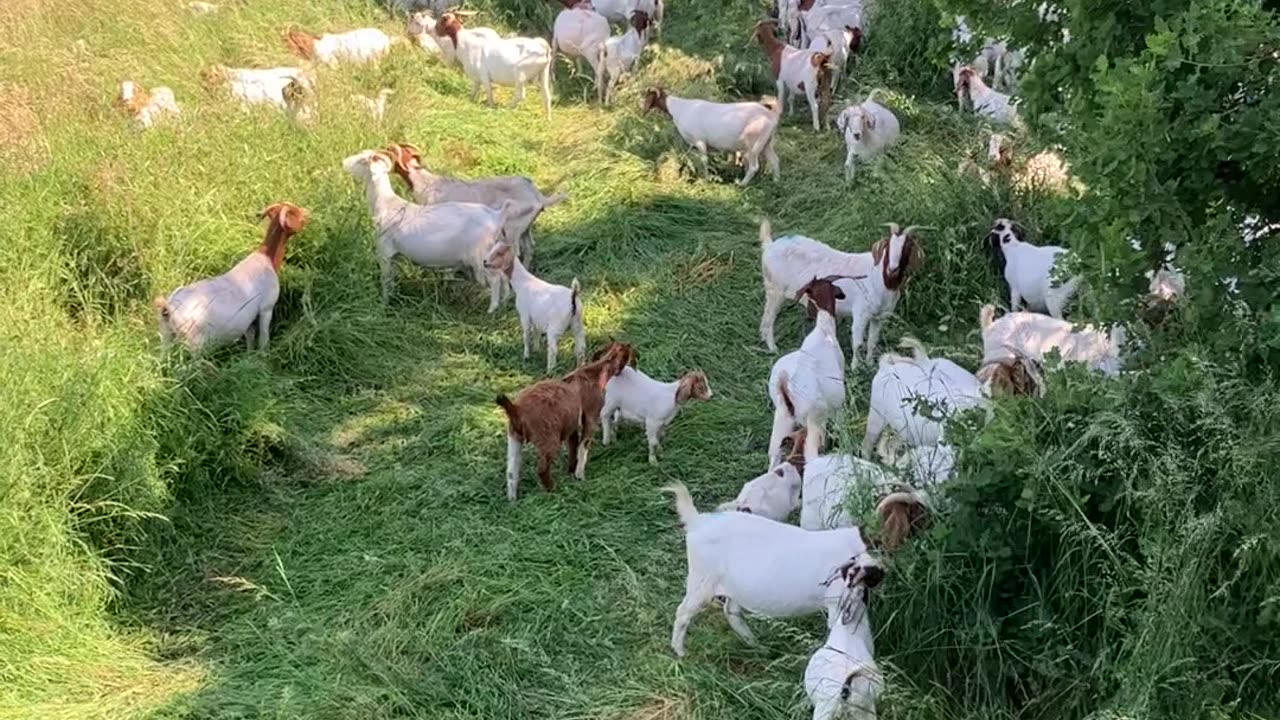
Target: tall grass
319 530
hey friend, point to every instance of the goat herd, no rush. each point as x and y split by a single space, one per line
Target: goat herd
751 558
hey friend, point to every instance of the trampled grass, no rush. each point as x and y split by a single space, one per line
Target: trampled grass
337 542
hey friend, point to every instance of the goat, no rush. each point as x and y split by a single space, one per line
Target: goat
818 19
635 397
1020 335
444 235
806 386
746 127
254 86
835 42
756 564
510 62
145 108
623 11
842 675
579 32
527 202
543 307
238 303
618 55
1029 270
772 495
421 27
991 104
1046 170
869 128
559 412
788 262
801 71
355 46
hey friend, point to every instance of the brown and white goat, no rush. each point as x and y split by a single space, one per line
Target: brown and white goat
557 412
800 71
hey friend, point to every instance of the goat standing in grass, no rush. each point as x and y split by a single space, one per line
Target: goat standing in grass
544 308
800 71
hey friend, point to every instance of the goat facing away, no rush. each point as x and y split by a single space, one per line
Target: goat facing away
544 308
742 127
240 302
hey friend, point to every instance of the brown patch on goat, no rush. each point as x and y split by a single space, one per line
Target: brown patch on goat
793 447
805 4
785 396
301 43
772 45
448 26
911 260
640 21
286 220
406 158
213 77
563 411
1011 377
899 518
135 104
855 39
822 293
692 385
655 99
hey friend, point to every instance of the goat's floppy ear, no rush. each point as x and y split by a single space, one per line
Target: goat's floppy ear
878 250
805 290
291 217
870 120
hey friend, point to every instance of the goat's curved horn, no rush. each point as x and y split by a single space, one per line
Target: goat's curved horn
466 13
910 228
893 228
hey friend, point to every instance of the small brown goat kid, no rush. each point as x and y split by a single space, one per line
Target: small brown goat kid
556 412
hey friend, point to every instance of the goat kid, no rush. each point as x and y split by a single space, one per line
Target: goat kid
842 677
559 412
773 495
510 62
1029 270
755 564
745 127
618 55
238 303
991 104
800 71
446 235
635 397
869 128
353 47
145 108
543 307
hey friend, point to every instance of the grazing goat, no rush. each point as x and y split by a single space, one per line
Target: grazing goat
1018 336
807 386
635 397
869 128
510 62
544 308
355 46
842 678
846 16
1029 270
744 127
991 104
446 235
902 383
800 71
527 202
772 495
222 309
623 11
787 263
755 564
145 108
836 42
579 32
421 27
254 86
559 412
618 55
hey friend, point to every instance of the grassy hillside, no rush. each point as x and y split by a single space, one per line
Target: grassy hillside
319 531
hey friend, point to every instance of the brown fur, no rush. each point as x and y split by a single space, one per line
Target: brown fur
692 385
1012 377
565 412
823 293
771 44
140 99
964 79
640 21
302 44
655 99
898 520
855 39
911 261
793 446
406 158
448 26
213 76
805 5
286 220
502 259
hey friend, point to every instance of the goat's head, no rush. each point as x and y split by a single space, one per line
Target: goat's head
640 21
295 93
899 256
501 258
655 98
284 219
132 97
857 576
301 43
900 514
449 25
692 385
964 76
854 122
213 76
763 32
406 158
774 494
420 23
368 164
613 346
823 293
793 449
1003 234
1019 375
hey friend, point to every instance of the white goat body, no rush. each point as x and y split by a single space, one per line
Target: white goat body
148 108
618 56
634 397
823 18
991 104
774 494
621 11
254 86
745 127
1032 335
510 62
579 32
843 674
422 27
542 306
1029 269
901 385
354 46
869 128
756 564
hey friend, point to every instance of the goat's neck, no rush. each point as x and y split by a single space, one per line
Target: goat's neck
421 179
519 275
826 322
853 639
383 201
273 244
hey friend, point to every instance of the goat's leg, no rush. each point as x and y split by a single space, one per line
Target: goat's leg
495 289
606 424
588 430
701 147
517 96
875 428
572 445
488 91
251 335
653 432
772 305
579 338
849 158
782 98
771 156
782 426
873 337
475 90
753 166
525 331
387 264
264 327
545 457
812 96
513 466
857 330
733 613
814 432
1015 300
553 347
698 593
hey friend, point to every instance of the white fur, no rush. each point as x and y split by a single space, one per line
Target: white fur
1029 271
634 397
991 104
354 46
422 27
509 62
161 103
579 33
836 43
774 494
376 107
869 128
447 235
822 18
265 86
543 307
756 564
1031 335
618 56
619 11
909 395
795 71
746 127
842 677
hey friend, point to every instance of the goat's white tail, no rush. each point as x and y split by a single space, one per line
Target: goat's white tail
766 234
871 96
685 508
986 316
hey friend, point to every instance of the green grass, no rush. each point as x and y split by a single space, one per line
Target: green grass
320 531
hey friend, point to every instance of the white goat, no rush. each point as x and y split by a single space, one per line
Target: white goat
773 495
621 11
527 201
1032 335
254 86
579 31
376 107
842 675
756 564
991 104
633 396
869 128
510 62
238 303
202 8
544 308
914 396
789 262
421 27
807 386
147 108
836 43
355 46
618 55
1029 270
846 16
745 127
447 235
1046 170
800 71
